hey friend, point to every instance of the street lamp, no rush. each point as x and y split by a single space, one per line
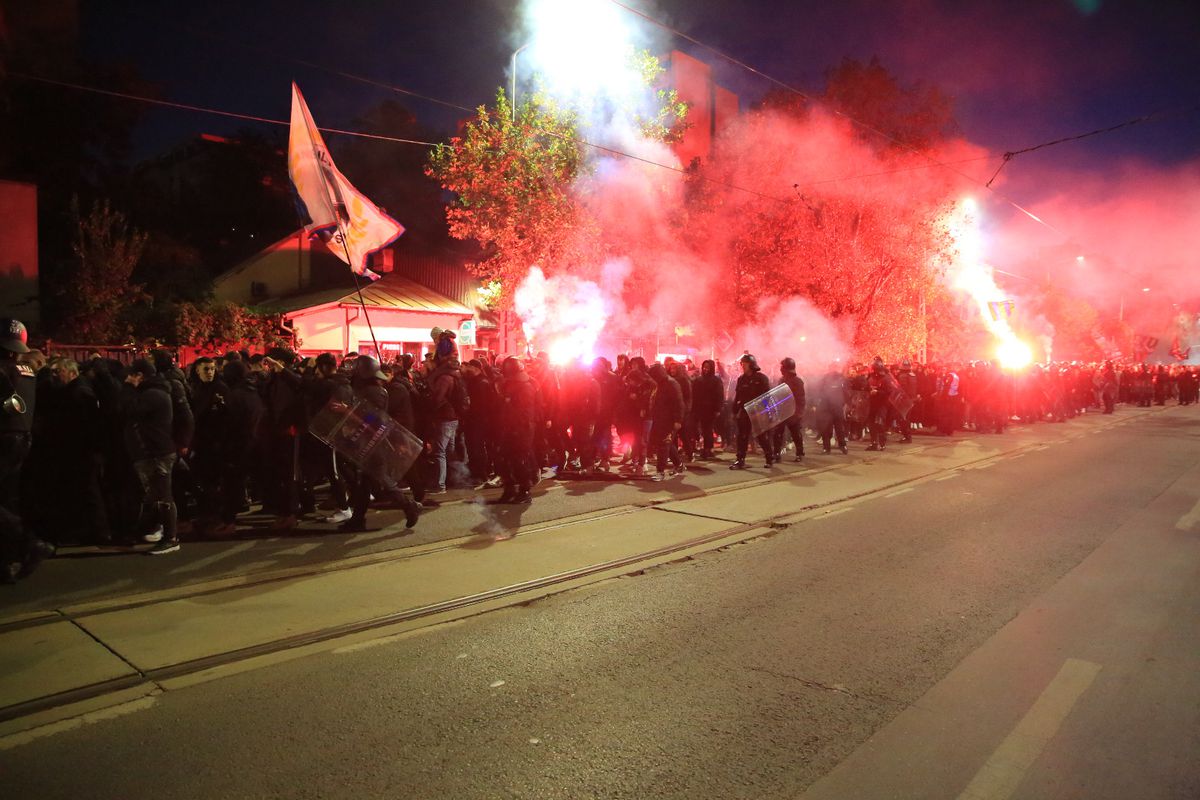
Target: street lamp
513 68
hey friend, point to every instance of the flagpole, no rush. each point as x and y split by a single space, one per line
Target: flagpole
337 216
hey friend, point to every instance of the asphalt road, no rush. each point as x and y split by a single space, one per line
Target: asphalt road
1025 630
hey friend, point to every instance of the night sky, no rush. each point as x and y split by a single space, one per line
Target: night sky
1020 72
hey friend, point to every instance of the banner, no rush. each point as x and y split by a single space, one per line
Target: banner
353 226
771 409
380 446
1001 309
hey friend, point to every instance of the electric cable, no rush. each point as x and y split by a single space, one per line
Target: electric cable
204 110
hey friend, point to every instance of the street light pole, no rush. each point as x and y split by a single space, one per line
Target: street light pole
513 69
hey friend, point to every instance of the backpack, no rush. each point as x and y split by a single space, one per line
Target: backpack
460 398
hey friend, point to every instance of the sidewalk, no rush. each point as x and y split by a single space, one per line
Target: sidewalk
131 642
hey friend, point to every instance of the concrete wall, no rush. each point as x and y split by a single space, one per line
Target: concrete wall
344 329
19 252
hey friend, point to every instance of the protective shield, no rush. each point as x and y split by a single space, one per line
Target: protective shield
902 402
380 446
771 409
858 406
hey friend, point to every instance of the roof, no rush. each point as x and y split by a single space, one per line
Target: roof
391 292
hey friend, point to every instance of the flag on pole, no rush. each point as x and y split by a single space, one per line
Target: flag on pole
341 215
1001 309
1178 351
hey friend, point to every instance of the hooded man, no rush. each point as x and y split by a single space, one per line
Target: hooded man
148 419
520 416
794 425
666 416
831 408
708 400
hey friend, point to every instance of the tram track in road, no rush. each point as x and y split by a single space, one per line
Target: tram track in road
194 670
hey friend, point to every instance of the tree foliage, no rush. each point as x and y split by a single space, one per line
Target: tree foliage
513 184
516 179
219 326
98 299
914 117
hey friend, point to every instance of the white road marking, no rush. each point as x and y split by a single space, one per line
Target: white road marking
899 492
1043 447
986 465
948 477
839 511
300 549
201 563
1189 520
1017 455
1003 772
25 737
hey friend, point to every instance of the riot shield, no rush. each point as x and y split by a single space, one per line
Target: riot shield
380 446
902 402
771 409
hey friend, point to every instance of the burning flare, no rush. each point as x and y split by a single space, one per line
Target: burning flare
562 315
973 276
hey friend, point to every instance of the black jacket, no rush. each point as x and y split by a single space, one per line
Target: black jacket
520 412
796 384
667 406
750 386
708 396
244 411
147 419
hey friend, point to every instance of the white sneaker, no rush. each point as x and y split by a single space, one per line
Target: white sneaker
154 537
340 516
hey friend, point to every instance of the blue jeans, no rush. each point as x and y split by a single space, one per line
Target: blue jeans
444 441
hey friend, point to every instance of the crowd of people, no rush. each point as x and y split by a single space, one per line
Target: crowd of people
104 452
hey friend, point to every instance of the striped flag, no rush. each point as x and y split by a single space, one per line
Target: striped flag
1001 309
351 224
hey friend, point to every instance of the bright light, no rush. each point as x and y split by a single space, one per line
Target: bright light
1146 289
1014 354
976 278
581 49
562 315
1080 259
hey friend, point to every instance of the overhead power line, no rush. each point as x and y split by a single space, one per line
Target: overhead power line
1010 155
202 109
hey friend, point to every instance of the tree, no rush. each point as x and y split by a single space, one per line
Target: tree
915 117
219 326
516 180
98 298
513 186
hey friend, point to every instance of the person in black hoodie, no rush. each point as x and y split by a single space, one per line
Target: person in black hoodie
666 415
750 384
285 418
795 424
708 399
208 393
520 417
243 416
611 391
318 463
150 441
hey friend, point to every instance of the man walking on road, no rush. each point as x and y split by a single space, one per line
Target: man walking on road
750 384
146 406
831 408
795 424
